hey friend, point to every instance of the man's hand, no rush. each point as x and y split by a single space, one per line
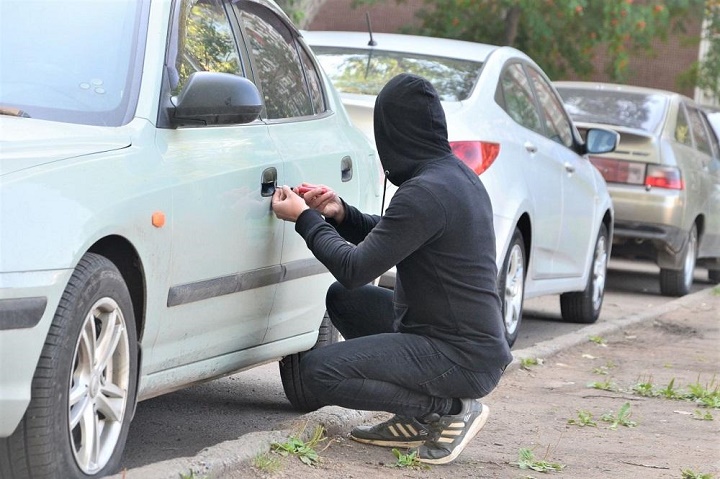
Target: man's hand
286 204
322 199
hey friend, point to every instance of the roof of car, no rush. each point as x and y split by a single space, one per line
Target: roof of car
402 43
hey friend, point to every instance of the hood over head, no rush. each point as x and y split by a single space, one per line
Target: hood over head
410 127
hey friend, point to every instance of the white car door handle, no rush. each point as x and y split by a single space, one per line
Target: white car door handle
530 147
569 168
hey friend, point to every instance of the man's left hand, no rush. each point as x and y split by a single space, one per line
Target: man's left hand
287 205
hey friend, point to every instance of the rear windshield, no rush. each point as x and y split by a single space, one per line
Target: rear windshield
632 110
365 72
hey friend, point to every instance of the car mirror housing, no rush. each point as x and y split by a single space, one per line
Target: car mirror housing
214 98
600 140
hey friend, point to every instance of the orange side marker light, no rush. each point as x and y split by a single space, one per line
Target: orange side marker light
158 219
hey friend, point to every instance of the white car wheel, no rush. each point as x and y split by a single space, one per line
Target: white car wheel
511 286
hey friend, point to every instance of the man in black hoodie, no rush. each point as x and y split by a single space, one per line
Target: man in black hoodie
426 350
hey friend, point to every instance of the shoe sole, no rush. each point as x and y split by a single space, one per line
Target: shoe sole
477 424
379 442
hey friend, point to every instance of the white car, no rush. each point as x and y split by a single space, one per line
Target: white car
553 215
140 145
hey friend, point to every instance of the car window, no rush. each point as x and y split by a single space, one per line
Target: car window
313 79
682 127
205 43
699 131
644 111
365 72
518 98
557 125
277 62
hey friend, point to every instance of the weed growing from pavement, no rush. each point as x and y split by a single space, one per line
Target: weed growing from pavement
191 475
526 460
606 385
526 363
584 419
599 340
705 395
604 370
669 391
703 415
645 388
622 418
407 460
690 474
266 463
305 451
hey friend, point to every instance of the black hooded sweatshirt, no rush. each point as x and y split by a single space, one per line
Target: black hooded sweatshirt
437 231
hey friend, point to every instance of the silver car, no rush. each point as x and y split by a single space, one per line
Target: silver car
551 209
140 145
664 177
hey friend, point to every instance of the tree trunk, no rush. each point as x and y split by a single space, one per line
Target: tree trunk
512 19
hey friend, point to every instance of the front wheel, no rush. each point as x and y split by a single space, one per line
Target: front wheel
677 282
584 306
511 286
298 395
83 390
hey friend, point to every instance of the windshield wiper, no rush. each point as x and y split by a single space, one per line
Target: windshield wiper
9 111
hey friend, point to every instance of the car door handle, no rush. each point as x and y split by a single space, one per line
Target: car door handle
346 168
530 147
569 167
268 181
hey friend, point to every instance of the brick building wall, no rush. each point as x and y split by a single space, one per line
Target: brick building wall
659 70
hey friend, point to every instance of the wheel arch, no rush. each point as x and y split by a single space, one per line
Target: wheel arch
127 260
525 227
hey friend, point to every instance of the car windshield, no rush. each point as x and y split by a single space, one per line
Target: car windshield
70 61
641 111
365 72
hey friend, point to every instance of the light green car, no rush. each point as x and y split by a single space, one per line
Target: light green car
140 145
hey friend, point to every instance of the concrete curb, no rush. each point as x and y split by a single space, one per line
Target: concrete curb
229 455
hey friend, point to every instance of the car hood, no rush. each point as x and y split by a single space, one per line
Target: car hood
27 143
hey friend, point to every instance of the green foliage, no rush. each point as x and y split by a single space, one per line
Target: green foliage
527 363
191 475
562 36
266 463
606 385
303 450
622 418
705 73
584 419
408 460
703 415
669 391
526 460
599 340
690 474
707 395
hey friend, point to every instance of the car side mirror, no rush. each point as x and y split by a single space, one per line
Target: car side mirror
600 140
214 98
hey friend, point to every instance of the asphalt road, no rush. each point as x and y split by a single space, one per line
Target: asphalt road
181 424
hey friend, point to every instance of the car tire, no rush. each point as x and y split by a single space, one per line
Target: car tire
677 282
584 306
298 395
714 276
511 286
83 390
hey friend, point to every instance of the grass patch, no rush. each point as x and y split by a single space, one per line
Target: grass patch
305 451
266 462
527 460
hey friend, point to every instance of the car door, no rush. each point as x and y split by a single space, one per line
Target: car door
227 244
313 148
577 184
542 172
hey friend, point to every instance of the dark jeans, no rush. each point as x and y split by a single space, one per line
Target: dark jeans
378 369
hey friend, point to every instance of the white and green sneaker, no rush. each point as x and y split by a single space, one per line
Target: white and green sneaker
398 431
450 434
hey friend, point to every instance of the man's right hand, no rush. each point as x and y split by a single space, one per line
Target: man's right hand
324 200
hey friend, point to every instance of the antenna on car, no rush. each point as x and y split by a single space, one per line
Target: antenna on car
372 42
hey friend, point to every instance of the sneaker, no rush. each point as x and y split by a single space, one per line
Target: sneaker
398 431
450 434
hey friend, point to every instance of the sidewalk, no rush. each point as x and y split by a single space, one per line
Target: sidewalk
532 407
